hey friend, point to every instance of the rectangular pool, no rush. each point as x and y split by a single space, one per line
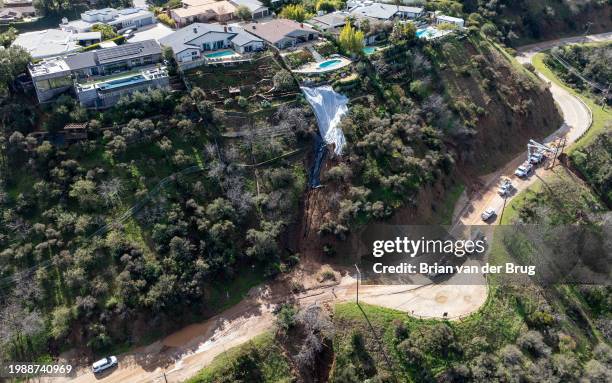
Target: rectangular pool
121 82
218 54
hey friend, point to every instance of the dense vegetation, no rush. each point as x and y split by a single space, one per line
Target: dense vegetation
103 238
157 214
590 62
516 22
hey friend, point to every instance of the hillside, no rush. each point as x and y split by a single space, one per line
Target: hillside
518 22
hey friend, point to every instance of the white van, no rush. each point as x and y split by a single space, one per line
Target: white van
104 364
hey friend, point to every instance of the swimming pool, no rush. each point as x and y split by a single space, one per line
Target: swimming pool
424 32
121 82
369 50
218 54
430 32
329 63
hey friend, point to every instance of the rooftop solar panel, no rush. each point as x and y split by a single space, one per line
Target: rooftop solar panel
110 54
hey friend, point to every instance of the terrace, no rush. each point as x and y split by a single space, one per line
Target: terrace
105 91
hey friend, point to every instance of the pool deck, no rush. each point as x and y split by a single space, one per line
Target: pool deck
313 67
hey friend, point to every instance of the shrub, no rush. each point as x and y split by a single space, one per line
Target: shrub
283 80
165 19
295 12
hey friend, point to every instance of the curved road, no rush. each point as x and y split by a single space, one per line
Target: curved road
577 120
185 352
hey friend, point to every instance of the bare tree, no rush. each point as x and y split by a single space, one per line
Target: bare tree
110 191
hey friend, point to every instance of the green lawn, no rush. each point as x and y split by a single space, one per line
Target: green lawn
498 321
600 115
260 359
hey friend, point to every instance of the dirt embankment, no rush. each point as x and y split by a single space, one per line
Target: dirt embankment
502 106
568 19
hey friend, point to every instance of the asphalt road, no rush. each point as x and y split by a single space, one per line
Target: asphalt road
577 120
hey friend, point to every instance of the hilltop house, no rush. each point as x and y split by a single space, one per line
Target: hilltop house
120 19
55 42
443 19
203 11
191 42
15 13
331 22
381 11
282 33
258 10
215 10
89 73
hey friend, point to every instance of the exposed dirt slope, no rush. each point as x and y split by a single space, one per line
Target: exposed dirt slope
502 105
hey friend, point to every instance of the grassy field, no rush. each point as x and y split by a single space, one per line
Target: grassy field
236 364
600 115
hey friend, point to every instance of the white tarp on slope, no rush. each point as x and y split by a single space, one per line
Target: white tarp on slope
329 107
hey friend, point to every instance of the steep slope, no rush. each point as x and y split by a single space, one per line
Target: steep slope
501 104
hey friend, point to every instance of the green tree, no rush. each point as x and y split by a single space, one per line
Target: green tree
403 33
295 12
243 13
351 39
7 38
326 5
108 32
282 80
13 61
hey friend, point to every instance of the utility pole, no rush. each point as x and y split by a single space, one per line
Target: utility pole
358 278
588 27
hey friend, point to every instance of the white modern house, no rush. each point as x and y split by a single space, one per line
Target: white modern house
196 40
99 78
443 19
382 11
120 19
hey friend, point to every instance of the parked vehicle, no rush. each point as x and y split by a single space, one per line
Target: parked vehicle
505 188
104 364
487 214
536 158
524 170
128 34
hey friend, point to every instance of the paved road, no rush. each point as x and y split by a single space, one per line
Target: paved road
577 120
185 352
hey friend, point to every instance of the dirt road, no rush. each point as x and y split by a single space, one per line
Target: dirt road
577 120
185 352
182 354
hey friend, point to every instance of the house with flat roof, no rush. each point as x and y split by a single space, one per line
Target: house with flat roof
443 19
55 42
331 22
11 14
282 33
203 11
193 41
17 3
54 76
120 19
106 91
382 11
